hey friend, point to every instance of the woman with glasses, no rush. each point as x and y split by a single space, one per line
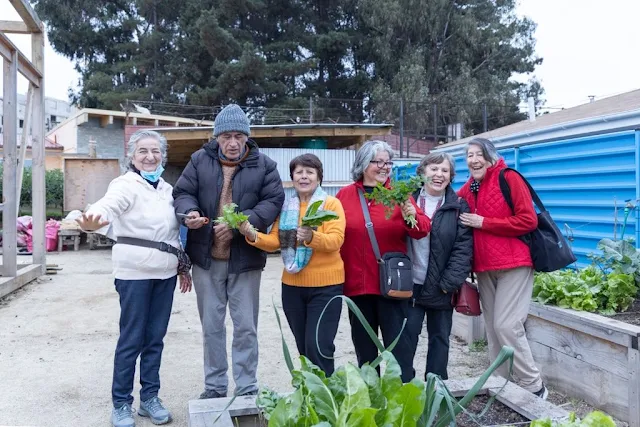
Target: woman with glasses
372 166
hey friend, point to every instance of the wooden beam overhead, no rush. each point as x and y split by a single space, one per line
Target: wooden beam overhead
28 15
25 67
105 121
14 27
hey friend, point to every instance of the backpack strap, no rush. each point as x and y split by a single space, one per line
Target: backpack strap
506 190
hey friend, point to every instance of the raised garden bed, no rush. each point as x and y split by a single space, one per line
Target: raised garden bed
588 356
244 413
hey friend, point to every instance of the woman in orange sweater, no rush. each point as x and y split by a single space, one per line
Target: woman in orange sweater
313 269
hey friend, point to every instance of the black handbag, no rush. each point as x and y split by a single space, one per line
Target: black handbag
549 248
396 277
184 262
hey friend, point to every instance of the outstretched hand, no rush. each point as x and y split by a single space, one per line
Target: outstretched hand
91 222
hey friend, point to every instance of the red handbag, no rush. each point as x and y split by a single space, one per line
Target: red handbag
467 300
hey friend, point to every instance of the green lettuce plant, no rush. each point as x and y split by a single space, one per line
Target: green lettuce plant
360 397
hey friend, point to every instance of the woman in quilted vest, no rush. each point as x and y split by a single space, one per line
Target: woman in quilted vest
441 261
501 260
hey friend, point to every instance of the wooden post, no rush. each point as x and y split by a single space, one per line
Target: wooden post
24 141
633 357
39 199
9 214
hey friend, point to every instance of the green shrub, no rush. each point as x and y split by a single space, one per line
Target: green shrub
54 184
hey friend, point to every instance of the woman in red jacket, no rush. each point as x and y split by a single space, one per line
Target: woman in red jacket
372 166
501 260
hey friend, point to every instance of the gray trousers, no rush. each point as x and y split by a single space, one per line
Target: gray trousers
214 288
505 296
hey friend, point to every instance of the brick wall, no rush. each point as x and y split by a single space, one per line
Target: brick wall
109 139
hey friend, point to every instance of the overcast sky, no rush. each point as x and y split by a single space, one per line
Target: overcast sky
588 48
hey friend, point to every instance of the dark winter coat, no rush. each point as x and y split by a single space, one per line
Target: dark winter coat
450 254
256 188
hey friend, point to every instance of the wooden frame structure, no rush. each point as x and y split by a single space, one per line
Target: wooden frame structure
14 62
184 141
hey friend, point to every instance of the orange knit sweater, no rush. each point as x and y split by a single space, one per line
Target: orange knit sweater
325 267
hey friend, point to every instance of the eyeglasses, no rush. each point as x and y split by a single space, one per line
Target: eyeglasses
382 163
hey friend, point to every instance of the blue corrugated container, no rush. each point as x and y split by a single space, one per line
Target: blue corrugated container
584 182
401 173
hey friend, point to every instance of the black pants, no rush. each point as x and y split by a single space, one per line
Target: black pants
439 323
386 315
303 307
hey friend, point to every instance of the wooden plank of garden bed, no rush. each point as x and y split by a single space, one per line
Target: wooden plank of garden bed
527 405
211 419
634 388
578 379
241 406
590 323
459 388
581 346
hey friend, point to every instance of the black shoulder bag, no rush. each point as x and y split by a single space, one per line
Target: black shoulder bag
396 278
549 249
184 262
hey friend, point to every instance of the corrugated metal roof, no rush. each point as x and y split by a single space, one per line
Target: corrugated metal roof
336 163
612 106
49 144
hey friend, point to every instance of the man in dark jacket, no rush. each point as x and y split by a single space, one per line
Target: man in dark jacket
229 169
441 261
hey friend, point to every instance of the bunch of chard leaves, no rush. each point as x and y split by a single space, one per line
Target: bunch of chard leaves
397 195
232 218
314 217
360 397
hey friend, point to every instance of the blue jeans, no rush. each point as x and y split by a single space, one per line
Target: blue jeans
145 307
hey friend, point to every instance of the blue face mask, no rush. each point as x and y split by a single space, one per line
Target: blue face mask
152 176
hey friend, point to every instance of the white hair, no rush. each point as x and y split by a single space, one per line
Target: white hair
366 154
140 135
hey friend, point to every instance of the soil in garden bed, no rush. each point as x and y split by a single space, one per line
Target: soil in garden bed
631 316
498 414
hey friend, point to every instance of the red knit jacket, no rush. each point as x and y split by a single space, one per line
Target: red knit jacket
361 268
496 245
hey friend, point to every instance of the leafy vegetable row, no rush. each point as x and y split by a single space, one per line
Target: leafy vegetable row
607 286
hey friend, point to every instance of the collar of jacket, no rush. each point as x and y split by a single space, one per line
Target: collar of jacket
450 198
251 161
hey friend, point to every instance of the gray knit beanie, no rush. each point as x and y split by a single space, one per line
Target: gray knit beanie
231 119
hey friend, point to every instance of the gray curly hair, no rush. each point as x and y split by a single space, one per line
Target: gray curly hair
140 135
365 154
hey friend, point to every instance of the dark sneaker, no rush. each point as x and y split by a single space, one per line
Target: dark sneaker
249 393
543 393
212 394
155 410
123 416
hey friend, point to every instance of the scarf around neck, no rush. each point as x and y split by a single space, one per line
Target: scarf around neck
295 257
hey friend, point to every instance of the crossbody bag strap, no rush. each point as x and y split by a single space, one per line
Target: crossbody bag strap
161 246
369 225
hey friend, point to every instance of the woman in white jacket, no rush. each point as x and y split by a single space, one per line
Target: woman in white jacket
137 211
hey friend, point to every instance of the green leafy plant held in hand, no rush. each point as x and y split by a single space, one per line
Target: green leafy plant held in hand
232 218
397 195
314 217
